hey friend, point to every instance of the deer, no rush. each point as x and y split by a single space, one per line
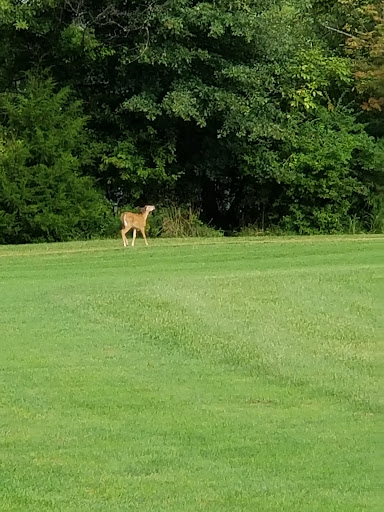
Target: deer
135 221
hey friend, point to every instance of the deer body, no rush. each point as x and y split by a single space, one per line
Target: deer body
135 221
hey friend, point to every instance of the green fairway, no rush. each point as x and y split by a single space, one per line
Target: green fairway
214 375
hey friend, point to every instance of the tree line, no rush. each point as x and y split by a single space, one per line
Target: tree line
263 113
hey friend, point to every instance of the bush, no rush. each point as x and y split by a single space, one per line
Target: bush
375 219
179 222
324 177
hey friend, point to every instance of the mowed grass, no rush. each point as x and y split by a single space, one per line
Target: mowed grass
213 375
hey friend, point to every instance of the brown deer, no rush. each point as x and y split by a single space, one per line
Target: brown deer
136 221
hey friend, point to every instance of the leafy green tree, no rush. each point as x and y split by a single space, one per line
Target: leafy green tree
210 81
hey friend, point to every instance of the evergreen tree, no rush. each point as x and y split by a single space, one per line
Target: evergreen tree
43 145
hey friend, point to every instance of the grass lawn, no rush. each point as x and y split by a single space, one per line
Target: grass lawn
215 375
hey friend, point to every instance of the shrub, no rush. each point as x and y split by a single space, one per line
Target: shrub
324 178
179 222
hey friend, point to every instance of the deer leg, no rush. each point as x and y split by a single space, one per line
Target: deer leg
124 231
123 236
134 238
145 239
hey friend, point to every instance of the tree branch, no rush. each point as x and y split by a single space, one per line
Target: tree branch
144 49
340 31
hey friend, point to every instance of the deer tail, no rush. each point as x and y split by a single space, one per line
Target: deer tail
123 221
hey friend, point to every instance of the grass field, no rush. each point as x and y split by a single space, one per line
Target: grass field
214 375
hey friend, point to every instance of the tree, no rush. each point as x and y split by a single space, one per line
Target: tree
43 197
358 27
367 47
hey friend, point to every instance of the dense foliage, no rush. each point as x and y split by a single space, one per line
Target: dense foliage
265 113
